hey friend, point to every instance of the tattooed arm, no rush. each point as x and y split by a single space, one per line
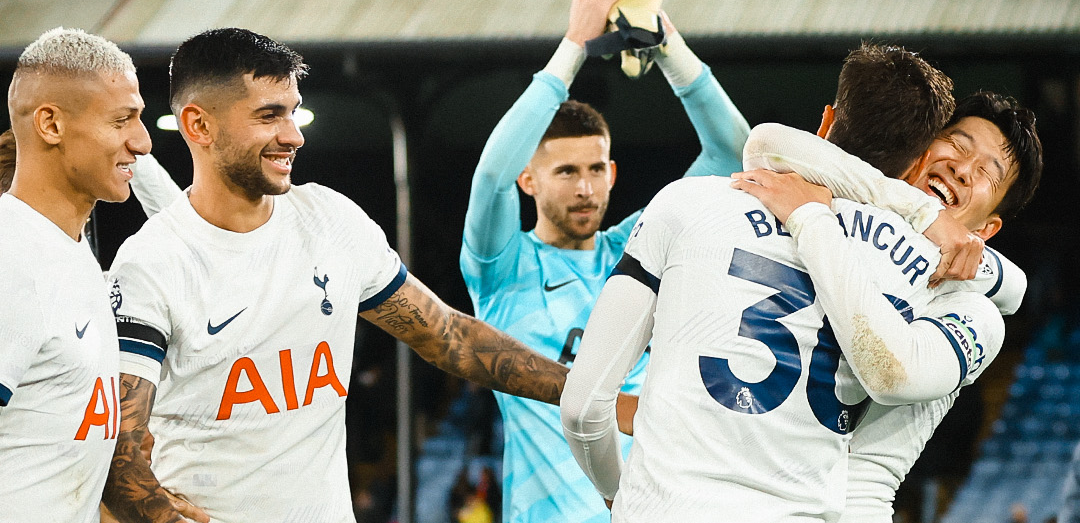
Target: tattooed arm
465 346
132 492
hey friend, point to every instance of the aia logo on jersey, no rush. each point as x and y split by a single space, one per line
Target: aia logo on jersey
115 297
103 410
326 307
245 368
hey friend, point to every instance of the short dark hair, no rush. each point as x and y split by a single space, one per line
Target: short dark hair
574 119
890 105
221 56
7 160
1022 145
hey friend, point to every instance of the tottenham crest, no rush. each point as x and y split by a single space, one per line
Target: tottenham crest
326 307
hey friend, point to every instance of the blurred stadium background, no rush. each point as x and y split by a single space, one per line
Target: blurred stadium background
441 73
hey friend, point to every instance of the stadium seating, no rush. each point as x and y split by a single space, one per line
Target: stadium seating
1026 456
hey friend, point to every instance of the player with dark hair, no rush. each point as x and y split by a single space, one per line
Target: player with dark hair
236 309
74 104
752 393
539 286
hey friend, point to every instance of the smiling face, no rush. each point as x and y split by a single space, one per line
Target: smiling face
571 180
969 169
257 137
102 137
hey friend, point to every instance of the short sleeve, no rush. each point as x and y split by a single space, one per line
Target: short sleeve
381 268
654 232
142 317
974 328
22 331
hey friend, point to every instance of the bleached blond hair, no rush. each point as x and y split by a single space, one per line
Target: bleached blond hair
73 52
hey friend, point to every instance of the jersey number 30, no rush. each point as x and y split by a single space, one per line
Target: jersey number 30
760 322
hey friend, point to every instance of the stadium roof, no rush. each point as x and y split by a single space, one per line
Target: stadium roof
160 23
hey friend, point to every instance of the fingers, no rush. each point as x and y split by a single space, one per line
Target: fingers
188 510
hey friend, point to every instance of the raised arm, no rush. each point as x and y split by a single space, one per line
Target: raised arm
721 128
897 361
152 184
465 346
494 212
785 149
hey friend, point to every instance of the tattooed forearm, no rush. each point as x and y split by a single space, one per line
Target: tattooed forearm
478 352
465 346
132 492
399 314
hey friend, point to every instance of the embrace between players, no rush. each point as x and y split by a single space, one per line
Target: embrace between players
800 358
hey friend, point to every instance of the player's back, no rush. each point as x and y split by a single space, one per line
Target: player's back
740 411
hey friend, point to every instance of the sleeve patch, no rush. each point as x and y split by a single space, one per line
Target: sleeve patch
964 341
995 265
388 291
629 266
5 395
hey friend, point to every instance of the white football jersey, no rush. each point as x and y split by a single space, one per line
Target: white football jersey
250 340
748 402
58 372
889 439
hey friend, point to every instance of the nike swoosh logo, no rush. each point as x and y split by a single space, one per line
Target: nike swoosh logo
214 329
79 332
550 288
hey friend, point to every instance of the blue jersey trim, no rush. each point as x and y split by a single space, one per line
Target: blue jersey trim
5 395
632 268
1000 273
956 347
142 348
385 294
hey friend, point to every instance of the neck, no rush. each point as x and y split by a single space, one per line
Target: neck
227 207
51 194
552 236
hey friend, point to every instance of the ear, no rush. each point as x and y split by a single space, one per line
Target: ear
196 125
827 117
49 123
613 172
912 174
989 228
526 181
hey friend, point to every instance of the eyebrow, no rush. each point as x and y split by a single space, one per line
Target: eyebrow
277 108
997 163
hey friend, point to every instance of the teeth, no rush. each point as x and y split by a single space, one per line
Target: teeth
942 191
284 162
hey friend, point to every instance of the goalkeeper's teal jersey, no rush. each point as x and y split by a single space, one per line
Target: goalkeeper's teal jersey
543 298
542 295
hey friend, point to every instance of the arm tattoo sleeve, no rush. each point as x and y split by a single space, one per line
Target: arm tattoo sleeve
465 346
132 492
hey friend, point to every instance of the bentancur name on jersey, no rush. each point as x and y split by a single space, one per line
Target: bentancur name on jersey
881 235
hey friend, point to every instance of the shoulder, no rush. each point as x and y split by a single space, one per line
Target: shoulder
314 200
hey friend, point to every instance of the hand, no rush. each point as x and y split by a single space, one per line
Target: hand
625 408
187 510
961 251
781 193
588 19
